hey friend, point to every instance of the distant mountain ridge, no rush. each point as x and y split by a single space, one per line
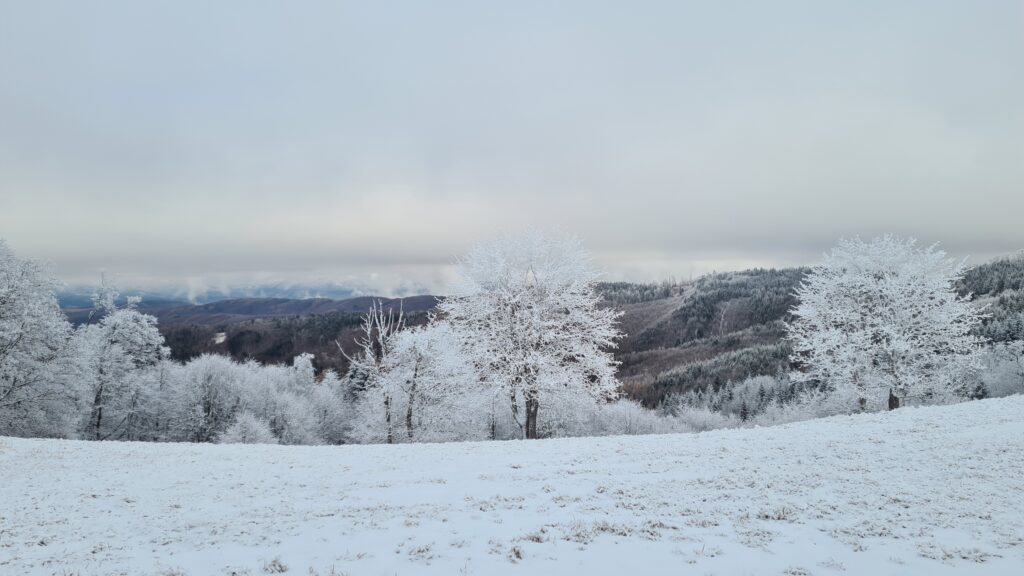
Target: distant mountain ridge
80 294
232 311
223 312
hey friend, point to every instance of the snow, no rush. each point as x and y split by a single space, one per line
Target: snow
917 491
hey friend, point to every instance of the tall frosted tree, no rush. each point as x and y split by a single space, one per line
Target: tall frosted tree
531 319
879 322
36 397
114 353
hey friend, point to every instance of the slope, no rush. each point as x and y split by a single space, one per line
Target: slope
916 491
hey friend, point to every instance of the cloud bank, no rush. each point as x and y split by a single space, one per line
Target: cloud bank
325 140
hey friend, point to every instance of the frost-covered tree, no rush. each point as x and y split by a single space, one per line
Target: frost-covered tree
331 413
367 366
114 354
883 316
531 318
37 397
159 396
285 403
431 387
208 394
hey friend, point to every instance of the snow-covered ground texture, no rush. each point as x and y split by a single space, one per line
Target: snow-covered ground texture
917 491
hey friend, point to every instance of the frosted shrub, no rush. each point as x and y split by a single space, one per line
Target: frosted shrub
208 394
292 419
247 429
628 417
810 405
331 413
1003 374
698 419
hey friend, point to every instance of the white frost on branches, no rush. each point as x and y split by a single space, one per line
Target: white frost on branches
533 324
425 390
883 315
114 355
247 429
36 397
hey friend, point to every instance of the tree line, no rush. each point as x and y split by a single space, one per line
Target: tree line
521 348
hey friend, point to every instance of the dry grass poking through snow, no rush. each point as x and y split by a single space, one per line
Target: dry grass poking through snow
919 491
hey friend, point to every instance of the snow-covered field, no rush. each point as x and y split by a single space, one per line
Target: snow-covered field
918 491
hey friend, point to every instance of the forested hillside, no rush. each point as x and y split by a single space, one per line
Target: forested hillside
720 328
268 330
727 327
999 284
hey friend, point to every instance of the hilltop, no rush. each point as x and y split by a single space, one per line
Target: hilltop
925 491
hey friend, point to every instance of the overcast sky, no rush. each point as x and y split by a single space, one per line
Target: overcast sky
373 142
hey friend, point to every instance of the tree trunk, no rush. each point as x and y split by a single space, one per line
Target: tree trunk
515 414
412 400
387 419
97 407
532 405
894 401
408 413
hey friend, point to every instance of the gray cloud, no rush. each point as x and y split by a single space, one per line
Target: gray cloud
233 141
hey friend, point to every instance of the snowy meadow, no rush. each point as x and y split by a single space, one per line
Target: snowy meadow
917 491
